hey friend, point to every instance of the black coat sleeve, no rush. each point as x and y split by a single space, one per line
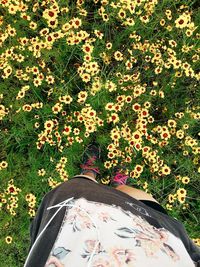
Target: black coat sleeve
192 249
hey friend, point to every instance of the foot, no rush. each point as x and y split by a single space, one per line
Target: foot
120 176
90 157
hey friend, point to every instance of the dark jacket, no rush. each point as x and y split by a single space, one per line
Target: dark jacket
83 187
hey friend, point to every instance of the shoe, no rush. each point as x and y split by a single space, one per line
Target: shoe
91 155
120 176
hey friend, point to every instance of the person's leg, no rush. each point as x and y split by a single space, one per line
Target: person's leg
142 196
89 168
119 181
136 193
88 174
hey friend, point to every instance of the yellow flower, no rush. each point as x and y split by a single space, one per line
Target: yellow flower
115 135
49 14
144 113
108 45
121 13
57 108
50 79
8 239
49 125
162 22
153 92
171 123
98 34
185 180
3 164
181 192
161 94
105 17
196 241
189 32
168 12
180 134
144 18
171 198
136 136
145 186
182 21
168 207
31 212
165 135
41 172
107 164
7 71
67 99
138 168
76 131
181 199
87 48
67 130
12 9
113 118
78 139
85 77
52 23
169 28
82 96
118 56
129 22
76 23
136 107
186 126
32 25
172 43
105 180
11 31
166 170
111 86
31 204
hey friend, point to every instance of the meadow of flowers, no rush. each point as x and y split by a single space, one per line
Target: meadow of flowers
125 73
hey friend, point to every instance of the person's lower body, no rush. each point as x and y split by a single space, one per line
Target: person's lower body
90 171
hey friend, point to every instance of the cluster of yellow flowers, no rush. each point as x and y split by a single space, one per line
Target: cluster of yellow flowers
10 197
181 193
31 199
60 168
22 92
3 112
87 116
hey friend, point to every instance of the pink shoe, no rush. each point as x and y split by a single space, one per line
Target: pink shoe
91 155
120 177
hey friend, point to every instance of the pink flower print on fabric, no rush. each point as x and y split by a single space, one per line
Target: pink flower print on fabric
88 248
53 261
121 256
101 262
79 220
105 217
149 238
